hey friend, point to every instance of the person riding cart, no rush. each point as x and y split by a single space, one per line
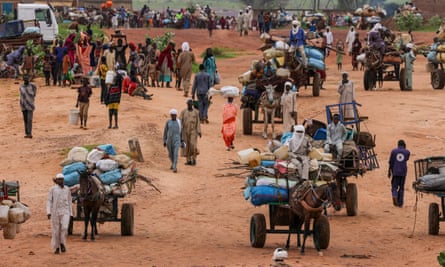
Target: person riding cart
375 40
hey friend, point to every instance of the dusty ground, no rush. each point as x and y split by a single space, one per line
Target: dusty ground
202 220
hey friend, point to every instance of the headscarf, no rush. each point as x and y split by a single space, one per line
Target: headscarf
297 138
295 29
376 27
173 111
185 46
132 46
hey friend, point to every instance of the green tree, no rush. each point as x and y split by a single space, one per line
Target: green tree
408 22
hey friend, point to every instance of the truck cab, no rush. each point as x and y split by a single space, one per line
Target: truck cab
43 15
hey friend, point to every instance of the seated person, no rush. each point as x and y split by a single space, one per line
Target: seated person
299 148
269 70
336 134
136 89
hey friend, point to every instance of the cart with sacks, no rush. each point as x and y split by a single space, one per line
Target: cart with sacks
358 152
430 179
271 187
436 57
116 174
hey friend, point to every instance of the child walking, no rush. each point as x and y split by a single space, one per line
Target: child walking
340 52
48 61
112 101
66 68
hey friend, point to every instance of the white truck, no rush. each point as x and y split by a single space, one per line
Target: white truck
44 15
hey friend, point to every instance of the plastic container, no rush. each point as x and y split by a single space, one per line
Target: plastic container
9 231
282 152
16 215
109 78
243 155
254 159
74 117
94 81
4 215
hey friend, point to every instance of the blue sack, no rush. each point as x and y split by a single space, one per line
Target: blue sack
315 63
313 53
108 148
432 56
74 167
264 194
267 163
71 179
111 177
320 134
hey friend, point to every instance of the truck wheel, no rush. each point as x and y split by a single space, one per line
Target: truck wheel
316 84
402 79
351 200
437 79
322 229
433 219
258 230
127 219
247 121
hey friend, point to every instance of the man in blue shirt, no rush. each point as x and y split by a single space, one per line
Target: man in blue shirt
398 169
201 86
297 40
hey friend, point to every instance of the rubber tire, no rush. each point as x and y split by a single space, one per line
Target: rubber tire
127 219
247 121
257 230
321 225
437 79
402 80
316 84
71 226
369 78
351 199
433 219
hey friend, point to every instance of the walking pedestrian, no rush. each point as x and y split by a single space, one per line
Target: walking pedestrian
347 95
329 40
165 65
59 210
172 138
339 54
201 86
27 96
185 62
289 107
409 57
48 62
398 169
191 129
112 101
356 50
210 65
229 123
83 102
102 71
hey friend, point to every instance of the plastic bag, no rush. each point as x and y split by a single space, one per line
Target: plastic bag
217 77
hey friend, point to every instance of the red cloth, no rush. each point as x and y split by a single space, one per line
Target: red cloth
132 46
229 123
125 84
166 54
131 87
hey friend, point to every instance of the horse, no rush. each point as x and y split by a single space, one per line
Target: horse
269 102
308 202
92 197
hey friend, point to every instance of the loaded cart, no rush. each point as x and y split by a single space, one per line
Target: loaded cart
430 179
265 188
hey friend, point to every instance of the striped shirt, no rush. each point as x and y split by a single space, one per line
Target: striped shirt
27 95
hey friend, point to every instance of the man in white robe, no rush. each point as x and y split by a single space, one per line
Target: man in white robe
299 148
350 38
59 210
289 107
347 95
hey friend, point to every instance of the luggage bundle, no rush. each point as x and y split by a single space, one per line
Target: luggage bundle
115 171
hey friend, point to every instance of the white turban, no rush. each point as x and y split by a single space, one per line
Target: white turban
409 45
296 22
173 111
185 46
60 176
288 84
297 138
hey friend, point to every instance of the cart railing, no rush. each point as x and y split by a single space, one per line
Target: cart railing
428 165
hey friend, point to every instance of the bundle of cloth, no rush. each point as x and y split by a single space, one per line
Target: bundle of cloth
116 172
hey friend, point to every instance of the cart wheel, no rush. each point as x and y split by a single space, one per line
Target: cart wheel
322 228
127 219
316 84
369 78
258 230
402 79
247 121
437 79
70 226
351 200
433 219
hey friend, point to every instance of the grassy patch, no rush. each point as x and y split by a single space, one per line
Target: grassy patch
65 151
223 52
64 31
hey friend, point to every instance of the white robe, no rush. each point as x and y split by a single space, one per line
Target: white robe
289 104
350 38
59 205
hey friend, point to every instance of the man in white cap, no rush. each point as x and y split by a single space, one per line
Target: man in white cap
185 61
299 148
289 107
191 129
347 95
409 57
172 138
375 40
59 210
297 40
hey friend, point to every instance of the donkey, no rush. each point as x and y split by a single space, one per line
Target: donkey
92 197
269 102
308 202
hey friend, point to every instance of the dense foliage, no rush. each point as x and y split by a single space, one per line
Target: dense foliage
408 22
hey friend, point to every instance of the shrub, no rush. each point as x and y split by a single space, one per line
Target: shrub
408 22
435 21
